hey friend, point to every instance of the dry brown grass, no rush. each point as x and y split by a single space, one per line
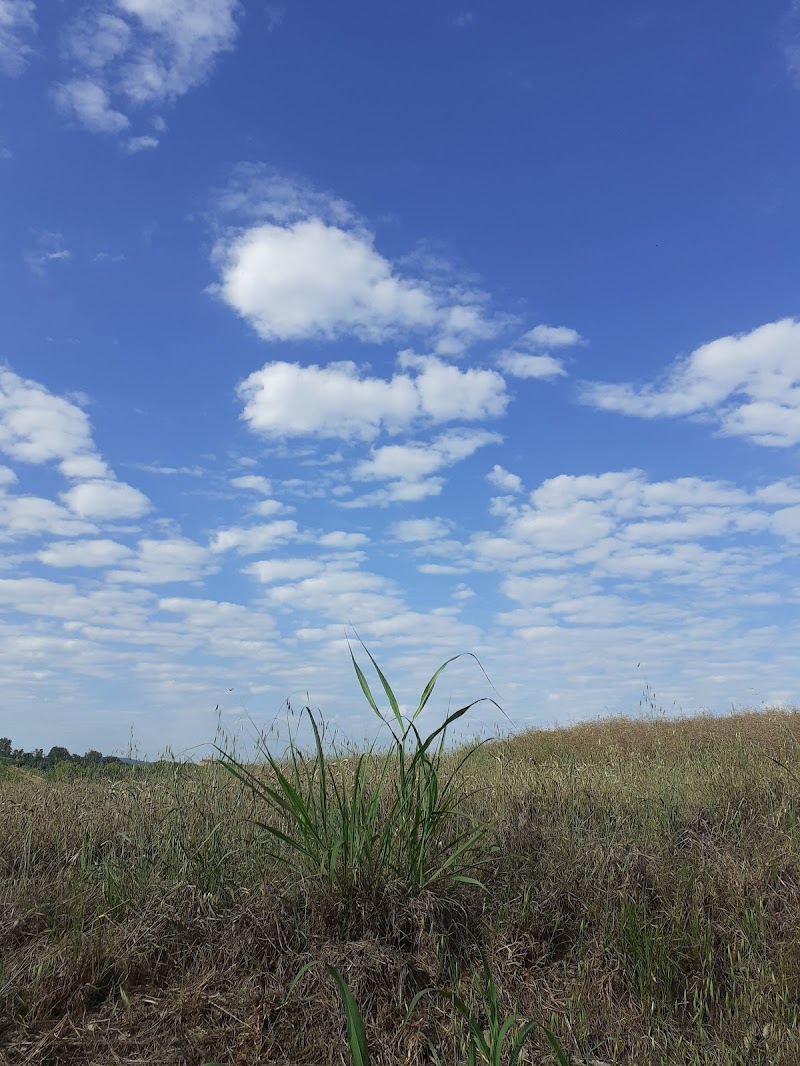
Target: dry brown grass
642 897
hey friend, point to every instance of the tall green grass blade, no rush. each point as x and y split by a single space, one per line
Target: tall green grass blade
356 1034
561 1056
431 685
519 1040
395 706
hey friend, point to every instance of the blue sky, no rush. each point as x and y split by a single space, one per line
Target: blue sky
475 328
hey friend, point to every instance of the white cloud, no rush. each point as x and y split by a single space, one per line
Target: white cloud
49 249
168 471
84 466
780 492
27 516
163 561
447 393
309 269
287 399
463 18
412 530
143 143
749 384
259 192
106 499
17 25
142 55
417 460
254 482
340 539
227 630
408 467
340 592
314 280
548 337
89 104
94 40
36 426
405 490
270 508
252 539
668 573
182 40
84 553
522 365
786 522
271 571
618 526
503 479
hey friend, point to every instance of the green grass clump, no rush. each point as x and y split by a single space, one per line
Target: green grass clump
375 819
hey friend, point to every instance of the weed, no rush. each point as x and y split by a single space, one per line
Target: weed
331 817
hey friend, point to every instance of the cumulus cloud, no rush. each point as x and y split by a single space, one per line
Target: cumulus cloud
141 55
408 468
172 559
37 427
412 530
97 37
252 539
168 471
84 466
415 460
340 539
337 590
447 393
272 571
290 400
143 143
84 553
31 516
548 337
90 105
524 365
620 526
748 384
17 26
255 482
503 479
106 499
313 280
306 267
529 357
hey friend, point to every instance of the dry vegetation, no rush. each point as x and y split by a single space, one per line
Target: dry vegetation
641 899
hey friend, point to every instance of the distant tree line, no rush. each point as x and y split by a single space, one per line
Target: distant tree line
37 760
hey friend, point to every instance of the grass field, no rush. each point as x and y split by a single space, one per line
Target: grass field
632 886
